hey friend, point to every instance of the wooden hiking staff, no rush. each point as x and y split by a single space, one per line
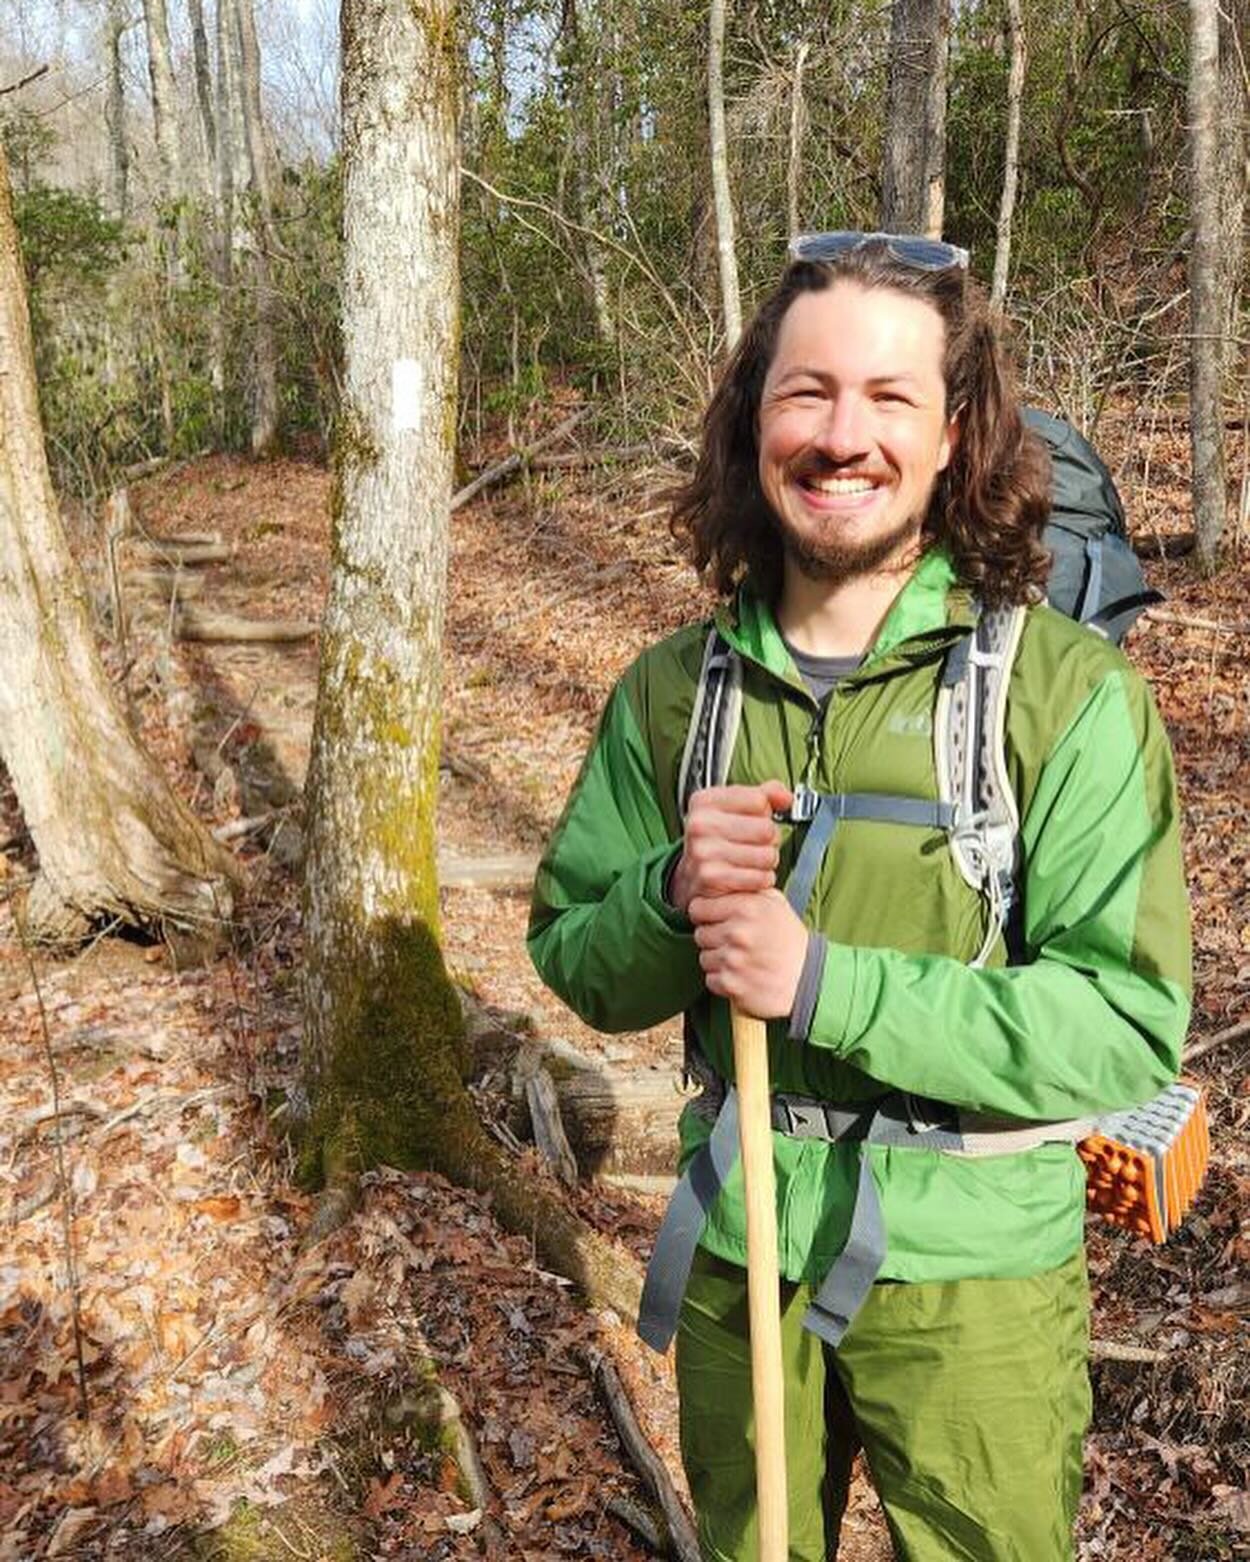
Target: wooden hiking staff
763 1283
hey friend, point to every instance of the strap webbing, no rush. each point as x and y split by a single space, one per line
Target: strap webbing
881 807
1107 619
1093 580
679 1233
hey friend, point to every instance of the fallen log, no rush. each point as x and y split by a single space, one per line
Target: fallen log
224 627
617 1121
508 871
165 581
174 552
514 463
1158 615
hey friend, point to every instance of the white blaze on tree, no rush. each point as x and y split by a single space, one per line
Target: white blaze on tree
114 841
371 890
1207 309
731 305
913 185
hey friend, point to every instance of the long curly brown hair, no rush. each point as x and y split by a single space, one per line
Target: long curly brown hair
989 505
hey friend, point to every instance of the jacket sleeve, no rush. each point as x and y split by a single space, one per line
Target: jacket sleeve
1095 1017
601 934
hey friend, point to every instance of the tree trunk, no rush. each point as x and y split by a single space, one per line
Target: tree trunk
113 839
1208 312
115 112
265 398
594 163
1234 144
385 1053
794 163
223 222
1011 152
164 102
914 169
731 304
203 87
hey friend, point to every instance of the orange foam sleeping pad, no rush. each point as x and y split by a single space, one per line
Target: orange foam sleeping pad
1144 1165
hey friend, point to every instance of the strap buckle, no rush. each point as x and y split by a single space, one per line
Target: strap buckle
806 802
803 1119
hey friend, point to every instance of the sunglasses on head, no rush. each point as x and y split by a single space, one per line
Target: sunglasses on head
909 249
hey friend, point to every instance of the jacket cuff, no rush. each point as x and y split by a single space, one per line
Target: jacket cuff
659 877
806 994
834 1024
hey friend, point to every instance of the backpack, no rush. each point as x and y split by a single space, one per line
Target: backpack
1095 579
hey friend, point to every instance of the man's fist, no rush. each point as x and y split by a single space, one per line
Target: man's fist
730 845
751 948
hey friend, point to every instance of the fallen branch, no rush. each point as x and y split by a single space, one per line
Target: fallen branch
238 828
16 86
224 627
174 552
1155 615
1238 1032
549 1135
1169 545
1112 1350
435 1411
514 463
682 1542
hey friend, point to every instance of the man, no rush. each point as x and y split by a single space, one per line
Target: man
865 488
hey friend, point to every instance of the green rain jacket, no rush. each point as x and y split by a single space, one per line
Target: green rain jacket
1092 1019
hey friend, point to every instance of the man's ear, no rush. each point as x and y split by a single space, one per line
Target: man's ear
950 438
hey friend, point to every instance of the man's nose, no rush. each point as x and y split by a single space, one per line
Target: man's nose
844 432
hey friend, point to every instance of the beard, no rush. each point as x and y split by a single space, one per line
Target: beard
829 556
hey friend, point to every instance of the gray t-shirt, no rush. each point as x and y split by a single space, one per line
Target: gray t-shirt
822 674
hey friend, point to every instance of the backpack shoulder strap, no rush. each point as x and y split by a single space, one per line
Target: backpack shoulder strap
969 746
714 720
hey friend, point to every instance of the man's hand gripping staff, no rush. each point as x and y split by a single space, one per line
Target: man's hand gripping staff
751 944
751 949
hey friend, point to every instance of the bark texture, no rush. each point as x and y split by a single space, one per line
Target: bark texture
1011 151
385 1049
726 254
1234 143
913 185
164 101
1208 309
265 357
115 112
113 839
203 86
794 162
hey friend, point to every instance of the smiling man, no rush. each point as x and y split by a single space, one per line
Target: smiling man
866 499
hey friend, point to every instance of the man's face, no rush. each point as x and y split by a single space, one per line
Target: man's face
853 429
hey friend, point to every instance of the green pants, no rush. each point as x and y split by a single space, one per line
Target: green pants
969 1399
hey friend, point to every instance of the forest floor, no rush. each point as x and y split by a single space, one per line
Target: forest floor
241 1395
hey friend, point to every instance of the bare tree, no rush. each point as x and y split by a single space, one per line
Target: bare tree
731 304
384 1039
913 186
164 101
265 358
1208 313
794 163
1011 151
203 87
1234 160
115 110
114 840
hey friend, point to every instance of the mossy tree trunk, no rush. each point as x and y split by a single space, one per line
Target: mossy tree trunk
385 1051
114 841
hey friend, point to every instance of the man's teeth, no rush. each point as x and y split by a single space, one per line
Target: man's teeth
842 485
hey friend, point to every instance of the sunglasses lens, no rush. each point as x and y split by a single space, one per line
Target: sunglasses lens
909 249
927 254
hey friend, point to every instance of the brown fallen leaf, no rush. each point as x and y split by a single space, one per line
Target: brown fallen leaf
74 1522
385 1496
221 1207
